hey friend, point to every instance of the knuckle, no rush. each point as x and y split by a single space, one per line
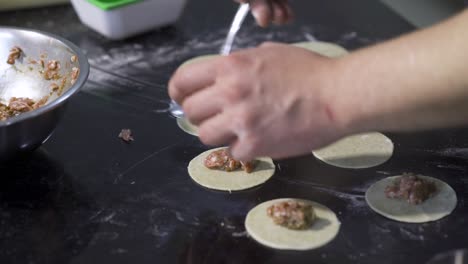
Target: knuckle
233 93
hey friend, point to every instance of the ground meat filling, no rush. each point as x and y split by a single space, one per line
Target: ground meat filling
17 106
411 188
126 135
74 75
248 166
221 160
21 105
292 214
15 53
4 112
41 102
52 70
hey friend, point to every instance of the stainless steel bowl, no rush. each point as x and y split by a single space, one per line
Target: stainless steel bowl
26 132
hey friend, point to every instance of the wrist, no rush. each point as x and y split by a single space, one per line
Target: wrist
343 99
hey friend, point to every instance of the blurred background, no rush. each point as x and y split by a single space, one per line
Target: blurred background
420 13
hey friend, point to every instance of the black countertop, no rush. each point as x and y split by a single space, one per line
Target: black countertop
87 197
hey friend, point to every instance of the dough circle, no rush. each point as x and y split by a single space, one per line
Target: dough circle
323 48
229 181
187 127
434 208
357 151
262 228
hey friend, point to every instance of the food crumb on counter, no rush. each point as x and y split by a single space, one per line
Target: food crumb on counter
126 135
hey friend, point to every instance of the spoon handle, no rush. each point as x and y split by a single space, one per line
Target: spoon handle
239 18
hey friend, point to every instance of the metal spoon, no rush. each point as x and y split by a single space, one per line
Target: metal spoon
235 26
174 108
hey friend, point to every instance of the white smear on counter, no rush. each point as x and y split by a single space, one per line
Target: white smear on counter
239 234
157 232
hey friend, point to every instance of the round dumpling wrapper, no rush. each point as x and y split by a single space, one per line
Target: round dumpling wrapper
357 151
187 127
434 208
229 181
262 228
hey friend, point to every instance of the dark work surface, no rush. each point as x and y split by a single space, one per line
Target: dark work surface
87 197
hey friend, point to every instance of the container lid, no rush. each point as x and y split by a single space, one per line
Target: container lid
111 4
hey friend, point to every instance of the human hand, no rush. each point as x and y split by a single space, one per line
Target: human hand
275 100
266 11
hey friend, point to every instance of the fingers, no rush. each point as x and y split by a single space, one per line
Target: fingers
262 10
217 130
279 12
203 105
190 78
266 11
244 149
287 13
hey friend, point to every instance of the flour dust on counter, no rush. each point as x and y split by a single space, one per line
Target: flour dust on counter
262 228
357 151
437 205
229 180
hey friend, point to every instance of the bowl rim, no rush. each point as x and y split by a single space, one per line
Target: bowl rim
82 78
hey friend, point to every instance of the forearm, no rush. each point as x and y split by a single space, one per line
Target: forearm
418 81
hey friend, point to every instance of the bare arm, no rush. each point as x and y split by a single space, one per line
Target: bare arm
418 81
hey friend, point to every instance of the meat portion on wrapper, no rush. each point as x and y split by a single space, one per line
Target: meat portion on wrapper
410 187
292 214
221 160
